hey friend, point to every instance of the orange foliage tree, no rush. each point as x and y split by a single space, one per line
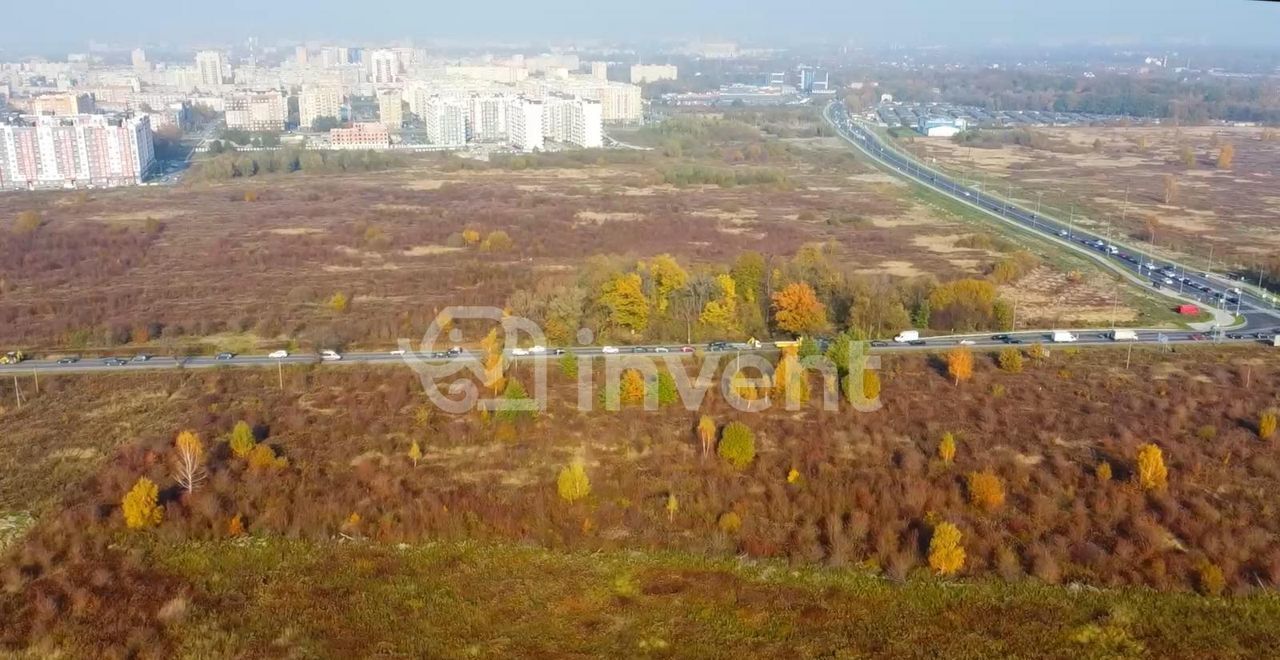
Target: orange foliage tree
960 364
797 310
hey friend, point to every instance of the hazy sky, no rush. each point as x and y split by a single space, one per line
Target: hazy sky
879 22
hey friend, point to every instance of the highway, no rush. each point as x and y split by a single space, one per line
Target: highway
1173 280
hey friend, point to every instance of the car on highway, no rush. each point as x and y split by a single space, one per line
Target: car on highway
225 355
453 352
398 351
916 342
537 350
640 349
329 355
557 351
519 352
141 357
609 349
276 355
966 342
1197 337
879 344
115 362
662 349
68 360
686 349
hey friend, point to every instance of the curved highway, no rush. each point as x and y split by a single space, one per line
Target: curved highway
1171 279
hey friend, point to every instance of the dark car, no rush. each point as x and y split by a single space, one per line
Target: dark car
224 356
115 362
453 352
916 342
879 344
68 360
1234 335
1003 338
439 355
640 349
557 351
1013 340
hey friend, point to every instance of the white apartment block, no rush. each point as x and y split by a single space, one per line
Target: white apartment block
620 102
391 108
318 101
647 73
524 124
212 68
68 152
384 67
257 111
573 121
446 121
600 71
487 121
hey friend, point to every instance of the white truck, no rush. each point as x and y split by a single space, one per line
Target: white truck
1124 335
907 336
1062 337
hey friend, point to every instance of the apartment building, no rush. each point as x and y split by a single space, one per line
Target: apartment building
575 121
318 101
647 73
63 105
256 111
81 150
487 121
384 67
446 121
212 67
362 135
524 124
391 108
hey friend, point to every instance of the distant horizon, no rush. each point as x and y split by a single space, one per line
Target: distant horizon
1229 24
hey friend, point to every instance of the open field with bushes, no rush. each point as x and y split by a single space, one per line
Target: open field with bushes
1084 501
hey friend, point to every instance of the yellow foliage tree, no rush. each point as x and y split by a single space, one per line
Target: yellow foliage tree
672 506
242 440
235 526
986 491
263 457
141 505
870 384
946 555
1011 360
624 297
1226 155
797 310
1152 474
722 312
1267 425
631 388
572 484
188 460
496 241
668 277
470 236
789 381
947 448
707 434
1103 471
415 453
1038 351
338 302
960 363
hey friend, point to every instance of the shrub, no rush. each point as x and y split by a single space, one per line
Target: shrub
338 302
1207 432
1038 351
1209 579
986 491
569 365
1011 360
737 445
263 457
573 484
242 440
235 526
946 556
729 522
1267 425
141 505
947 448
1103 471
1152 474
514 402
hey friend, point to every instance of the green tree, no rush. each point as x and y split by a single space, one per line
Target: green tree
569 365
514 401
242 440
737 445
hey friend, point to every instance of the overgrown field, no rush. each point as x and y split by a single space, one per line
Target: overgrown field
1046 475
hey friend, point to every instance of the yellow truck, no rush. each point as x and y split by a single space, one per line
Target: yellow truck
12 357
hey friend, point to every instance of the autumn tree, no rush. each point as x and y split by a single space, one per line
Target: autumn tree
242 440
1170 189
338 302
141 505
960 363
496 241
1152 474
1188 156
235 526
470 236
623 296
631 388
796 309
1226 155
494 361
737 445
1038 351
187 460
870 384
790 383
707 433
986 491
946 556
263 457
572 483
27 222
668 277
947 448
1011 360
672 506
721 312
1103 471
1267 425
415 453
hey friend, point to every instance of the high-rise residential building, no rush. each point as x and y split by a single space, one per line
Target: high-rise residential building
63 105
446 121
139 60
384 67
257 111
212 67
647 73
600 71
571 120
487 121
83 150
318 101
362 135
524 124
391 108
300 54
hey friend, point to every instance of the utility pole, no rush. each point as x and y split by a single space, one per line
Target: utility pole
36 374
280 371
17 392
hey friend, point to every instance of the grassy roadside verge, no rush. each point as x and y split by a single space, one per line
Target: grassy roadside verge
275 597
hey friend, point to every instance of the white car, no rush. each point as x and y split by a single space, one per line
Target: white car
609 349
329 355
662 349
518 352
276 355
537 350
398 351
966 342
